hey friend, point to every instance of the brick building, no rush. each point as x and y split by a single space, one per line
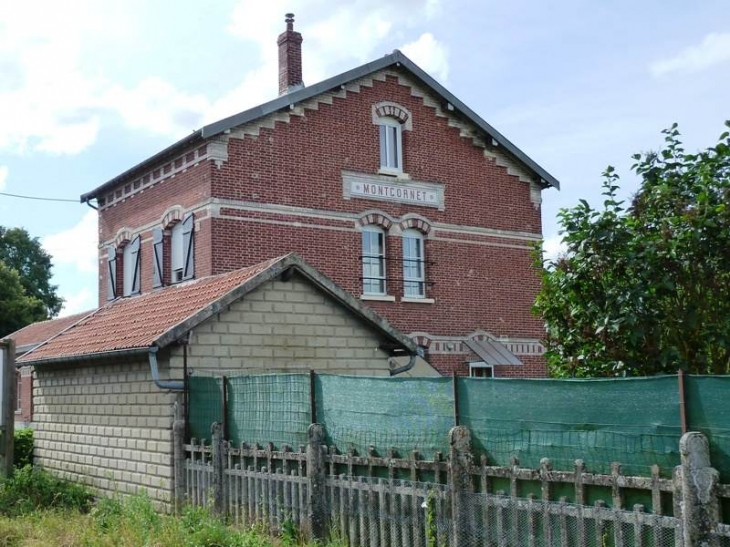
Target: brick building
378 177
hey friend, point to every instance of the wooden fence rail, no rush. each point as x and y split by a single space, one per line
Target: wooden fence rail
375 501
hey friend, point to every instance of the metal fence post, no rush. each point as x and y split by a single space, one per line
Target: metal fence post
178 454
218 459
460 481
699 480
316 503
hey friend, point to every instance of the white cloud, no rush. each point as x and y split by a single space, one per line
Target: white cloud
77 302
3 177
76 246
553 247
430 55
714 49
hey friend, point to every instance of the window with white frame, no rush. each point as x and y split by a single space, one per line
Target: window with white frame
391 145
131 268
480 369
373 260
177 263
414 270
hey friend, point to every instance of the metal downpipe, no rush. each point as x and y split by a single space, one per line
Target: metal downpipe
175 385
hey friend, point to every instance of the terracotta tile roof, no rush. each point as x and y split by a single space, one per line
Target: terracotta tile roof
41 331
137 322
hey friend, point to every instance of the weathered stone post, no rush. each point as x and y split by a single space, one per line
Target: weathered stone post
460 462
218 459
178 456
698 482
316 502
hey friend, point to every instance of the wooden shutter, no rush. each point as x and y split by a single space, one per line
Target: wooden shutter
188 247
157 258
111 262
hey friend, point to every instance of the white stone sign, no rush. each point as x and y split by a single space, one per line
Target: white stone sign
358 185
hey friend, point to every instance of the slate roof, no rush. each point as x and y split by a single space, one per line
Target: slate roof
283 102
34 334
161 317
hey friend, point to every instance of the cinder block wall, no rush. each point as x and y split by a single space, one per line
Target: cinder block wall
106 426
283 327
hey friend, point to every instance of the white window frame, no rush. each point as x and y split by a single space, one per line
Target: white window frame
480 365
127 270
369 260
177 250
409 279
391 146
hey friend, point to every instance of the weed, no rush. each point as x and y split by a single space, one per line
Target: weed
30 489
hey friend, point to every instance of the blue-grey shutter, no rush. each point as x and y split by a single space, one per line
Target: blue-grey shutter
111 262
157 258
188 247
137 272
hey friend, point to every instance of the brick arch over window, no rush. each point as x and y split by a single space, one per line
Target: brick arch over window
393 111
419 224
123 237
376 219
421 339
172 216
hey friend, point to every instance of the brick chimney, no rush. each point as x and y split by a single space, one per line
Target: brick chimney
290 58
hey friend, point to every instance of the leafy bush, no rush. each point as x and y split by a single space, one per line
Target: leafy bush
23 447
30 489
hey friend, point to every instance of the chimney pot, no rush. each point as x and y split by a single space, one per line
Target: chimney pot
290 58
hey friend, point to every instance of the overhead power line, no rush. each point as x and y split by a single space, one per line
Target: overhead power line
38 198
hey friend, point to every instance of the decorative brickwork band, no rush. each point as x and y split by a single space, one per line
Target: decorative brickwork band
415 224
421 340
377 219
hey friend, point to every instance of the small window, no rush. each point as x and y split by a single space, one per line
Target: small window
373 260
177 262
131 268
414 271
481 370
391 154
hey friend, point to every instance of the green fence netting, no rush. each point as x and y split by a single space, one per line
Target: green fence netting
631 421
206 405
272 408
708 411
401 413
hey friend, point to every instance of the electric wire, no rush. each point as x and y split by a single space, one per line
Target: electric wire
38 198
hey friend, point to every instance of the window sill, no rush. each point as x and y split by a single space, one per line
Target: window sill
393 173
418 300
378 297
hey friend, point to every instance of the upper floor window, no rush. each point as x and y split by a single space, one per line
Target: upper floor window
177 265
480 369
181 249
414 271
373 260
131 283
391 145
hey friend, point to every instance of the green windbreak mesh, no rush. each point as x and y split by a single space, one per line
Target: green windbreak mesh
631 421
271 408
206 405
400 413
708 411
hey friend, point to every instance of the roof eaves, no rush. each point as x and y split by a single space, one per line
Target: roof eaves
84 357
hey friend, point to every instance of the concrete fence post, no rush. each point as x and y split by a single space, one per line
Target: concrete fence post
316 502
178 456
700 507
218 460
460 480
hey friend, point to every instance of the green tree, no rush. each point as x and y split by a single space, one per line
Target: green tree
645 289
24 254
17 309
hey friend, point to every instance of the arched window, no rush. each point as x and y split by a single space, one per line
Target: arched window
391 145
414 269
131 283
373 260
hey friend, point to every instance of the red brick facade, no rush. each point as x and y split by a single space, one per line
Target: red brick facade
279 185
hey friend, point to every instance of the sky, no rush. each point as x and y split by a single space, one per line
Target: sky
88 88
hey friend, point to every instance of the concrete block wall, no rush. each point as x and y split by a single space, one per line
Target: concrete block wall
285 326
106 426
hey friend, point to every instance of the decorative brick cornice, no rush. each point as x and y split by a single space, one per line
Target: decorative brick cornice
387 109
412 223
421 339
376 219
